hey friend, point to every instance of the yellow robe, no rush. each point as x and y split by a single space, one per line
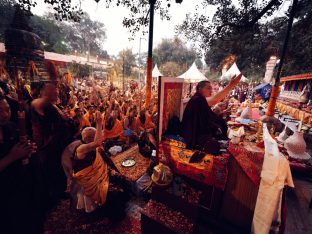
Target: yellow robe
116 131
95 180
147 125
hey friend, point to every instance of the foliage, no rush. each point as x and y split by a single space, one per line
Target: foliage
171 69
6 15
174 50
212 75
126 60
80 70
299 56
199 64
138 10
85 36
234 30
50 33
135 74
61 37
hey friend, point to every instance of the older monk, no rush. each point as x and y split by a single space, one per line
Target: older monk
201 126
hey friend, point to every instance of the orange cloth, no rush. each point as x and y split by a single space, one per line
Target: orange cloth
87 117
147 125
69 78
274 94
116 131
84 122
72 113
95 180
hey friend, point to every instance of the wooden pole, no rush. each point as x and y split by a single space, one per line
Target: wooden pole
150 55
275 88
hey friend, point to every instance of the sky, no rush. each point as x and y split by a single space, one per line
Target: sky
118 36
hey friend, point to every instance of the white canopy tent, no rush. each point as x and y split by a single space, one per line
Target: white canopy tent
231 72
193 75
156 72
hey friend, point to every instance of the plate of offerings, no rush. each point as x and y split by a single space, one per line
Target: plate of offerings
128 162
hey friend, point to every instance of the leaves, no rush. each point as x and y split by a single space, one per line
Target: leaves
233 30
174 50
239 29
126 60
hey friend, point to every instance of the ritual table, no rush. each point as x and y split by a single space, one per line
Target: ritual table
242 187
212 170
210 175
132 174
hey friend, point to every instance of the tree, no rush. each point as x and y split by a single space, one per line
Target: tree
236 23
5 18
232 30
235 29
80 70
174 50
171 69
61 37
126 60
84 36
139 10
50 33
199 63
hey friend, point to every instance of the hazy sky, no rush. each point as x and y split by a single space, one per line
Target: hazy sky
117 35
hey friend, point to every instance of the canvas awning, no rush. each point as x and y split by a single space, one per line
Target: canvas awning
307 76
231 72
57 57
193 75
156 72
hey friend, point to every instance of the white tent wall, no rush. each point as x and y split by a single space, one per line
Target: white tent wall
231 72
155 73
193 75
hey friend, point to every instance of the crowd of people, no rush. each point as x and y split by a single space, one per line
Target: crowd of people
70 126
55 115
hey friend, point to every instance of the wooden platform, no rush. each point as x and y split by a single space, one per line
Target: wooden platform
299 215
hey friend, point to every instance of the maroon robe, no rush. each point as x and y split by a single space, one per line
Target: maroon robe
200 125
51 134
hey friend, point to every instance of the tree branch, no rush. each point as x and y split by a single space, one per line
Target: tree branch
253 21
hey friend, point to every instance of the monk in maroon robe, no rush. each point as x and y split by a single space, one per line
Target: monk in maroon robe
201 127
51 132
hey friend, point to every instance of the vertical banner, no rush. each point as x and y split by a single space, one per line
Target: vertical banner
170 101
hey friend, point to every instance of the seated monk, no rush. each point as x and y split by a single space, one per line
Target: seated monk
89 116
113 128
83 121
144 122
129 126
90 170
145 125
201 127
